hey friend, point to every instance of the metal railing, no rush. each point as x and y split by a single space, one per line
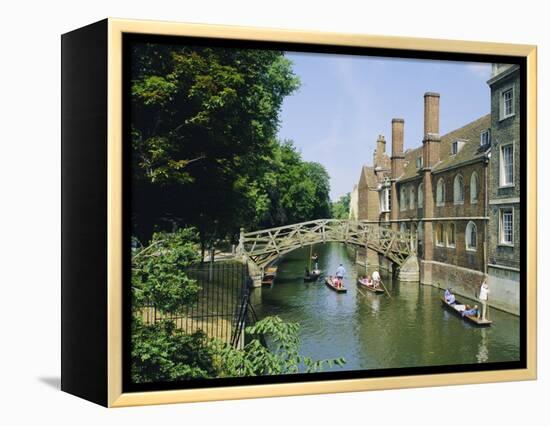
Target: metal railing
222 308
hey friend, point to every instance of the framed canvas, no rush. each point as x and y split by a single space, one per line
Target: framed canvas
254 212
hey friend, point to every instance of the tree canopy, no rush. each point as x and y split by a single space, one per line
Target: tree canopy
340 208
204 149
291 190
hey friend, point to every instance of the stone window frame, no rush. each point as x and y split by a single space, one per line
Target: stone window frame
501 102
402 199
439 239
474 187
501 170
420 196
440 202
449 226
483 133
383 200
419 162
412 199
501 212
457 201
467 239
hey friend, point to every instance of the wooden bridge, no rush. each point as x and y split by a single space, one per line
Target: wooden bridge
262 247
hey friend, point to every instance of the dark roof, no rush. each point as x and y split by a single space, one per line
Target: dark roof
410 169
368 177
470 134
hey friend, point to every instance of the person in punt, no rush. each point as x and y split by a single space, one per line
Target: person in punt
315 259
376 279
449 296
369 281
340 272
470 311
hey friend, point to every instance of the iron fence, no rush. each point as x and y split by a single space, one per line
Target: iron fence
222 309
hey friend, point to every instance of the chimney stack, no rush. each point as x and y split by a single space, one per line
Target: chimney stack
431 129
380 151
397 157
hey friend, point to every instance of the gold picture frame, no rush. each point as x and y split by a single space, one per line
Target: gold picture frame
116 28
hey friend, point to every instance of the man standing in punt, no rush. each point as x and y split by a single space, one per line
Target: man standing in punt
340 272
483 297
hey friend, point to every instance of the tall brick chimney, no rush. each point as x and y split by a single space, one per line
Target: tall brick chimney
431 129
431 154
397 166
380 151
397 157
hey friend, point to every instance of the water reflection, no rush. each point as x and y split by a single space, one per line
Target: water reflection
410 328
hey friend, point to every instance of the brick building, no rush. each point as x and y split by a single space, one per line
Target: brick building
457 195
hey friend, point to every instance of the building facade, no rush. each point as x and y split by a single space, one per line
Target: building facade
504 186
456 196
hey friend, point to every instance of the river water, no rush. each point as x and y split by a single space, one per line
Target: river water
374 331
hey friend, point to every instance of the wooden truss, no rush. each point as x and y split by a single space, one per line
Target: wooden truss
263 247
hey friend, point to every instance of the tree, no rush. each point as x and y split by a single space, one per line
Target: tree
340 208
280 357
203 121
295 191
321 182
161 352
158 274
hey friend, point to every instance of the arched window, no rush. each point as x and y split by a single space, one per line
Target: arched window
451 238
411 198
403 227
458 190
440 192
420 231
402 199
471 236
439 234
474 185
421 195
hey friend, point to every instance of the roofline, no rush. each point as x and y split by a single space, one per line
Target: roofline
479 159
409 179
506 73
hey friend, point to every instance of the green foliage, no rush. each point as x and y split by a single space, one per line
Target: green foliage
204 156
340 208
291 190
280 357
160 352
204 122
158 276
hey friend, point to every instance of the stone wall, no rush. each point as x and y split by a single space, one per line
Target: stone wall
504 288
504 291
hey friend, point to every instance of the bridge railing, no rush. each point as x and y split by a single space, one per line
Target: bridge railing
266 245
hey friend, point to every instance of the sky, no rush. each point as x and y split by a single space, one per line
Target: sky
345 102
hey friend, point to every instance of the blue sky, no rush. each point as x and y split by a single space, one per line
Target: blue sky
345 102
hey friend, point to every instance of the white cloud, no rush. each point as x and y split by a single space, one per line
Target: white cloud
481 70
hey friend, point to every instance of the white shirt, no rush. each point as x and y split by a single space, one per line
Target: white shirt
376 276
484 292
